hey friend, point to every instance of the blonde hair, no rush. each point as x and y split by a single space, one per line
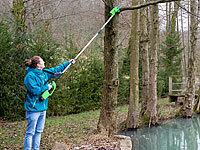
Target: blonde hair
32 62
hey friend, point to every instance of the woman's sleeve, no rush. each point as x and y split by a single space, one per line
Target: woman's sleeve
33 87
58 69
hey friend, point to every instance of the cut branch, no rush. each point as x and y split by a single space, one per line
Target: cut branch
147 4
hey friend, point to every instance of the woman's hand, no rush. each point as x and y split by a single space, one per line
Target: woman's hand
72 61
50 86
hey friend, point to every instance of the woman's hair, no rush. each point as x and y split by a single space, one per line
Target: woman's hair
32 62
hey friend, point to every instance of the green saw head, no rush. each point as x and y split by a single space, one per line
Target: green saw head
115 10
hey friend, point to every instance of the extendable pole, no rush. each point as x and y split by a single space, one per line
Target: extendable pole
112 12
46 94
86 46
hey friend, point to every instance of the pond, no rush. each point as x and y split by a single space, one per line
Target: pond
176 134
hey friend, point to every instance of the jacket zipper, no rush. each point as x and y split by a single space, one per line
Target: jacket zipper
35 102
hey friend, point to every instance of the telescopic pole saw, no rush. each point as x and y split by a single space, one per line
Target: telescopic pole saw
115 10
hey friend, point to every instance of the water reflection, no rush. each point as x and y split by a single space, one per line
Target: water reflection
179 134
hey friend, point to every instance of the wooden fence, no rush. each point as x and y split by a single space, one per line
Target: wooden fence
177 87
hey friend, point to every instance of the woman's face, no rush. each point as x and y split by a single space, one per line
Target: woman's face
41 65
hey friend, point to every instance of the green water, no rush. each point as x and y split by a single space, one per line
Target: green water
177 134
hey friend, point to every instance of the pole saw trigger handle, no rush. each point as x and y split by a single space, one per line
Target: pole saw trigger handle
47 93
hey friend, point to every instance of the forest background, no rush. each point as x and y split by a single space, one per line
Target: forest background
56 30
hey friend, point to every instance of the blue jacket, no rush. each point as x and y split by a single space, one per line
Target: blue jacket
34 82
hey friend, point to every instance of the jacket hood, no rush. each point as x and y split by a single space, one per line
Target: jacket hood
28 69
37 71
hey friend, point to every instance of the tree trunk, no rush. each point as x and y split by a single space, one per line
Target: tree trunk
151 113
145 58
174 17
107 119
19 14
192 69
184 53
133 113
188 45
167 18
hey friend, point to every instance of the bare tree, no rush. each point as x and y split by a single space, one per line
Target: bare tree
19 14
187 109
144 38
133 113
184 53
107 119
151 112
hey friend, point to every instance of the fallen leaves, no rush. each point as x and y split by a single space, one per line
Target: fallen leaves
75 130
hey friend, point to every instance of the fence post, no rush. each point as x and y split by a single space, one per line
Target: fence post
170 85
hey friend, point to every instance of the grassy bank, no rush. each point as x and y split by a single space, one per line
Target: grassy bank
74 129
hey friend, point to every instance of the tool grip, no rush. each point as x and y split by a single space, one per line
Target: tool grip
54 87
46 93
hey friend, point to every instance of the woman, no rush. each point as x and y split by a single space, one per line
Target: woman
36 109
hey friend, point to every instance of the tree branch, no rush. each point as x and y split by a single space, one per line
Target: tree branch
146 4
196 15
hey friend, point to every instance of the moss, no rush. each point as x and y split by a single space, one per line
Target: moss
196 106
123 125
179 112
145 119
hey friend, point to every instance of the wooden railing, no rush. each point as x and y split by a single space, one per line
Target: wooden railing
179 88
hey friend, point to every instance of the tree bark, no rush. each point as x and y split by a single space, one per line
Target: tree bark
107 119
174 17
151 113
167 14
192 68
184 53
133 113
19 14
145 58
